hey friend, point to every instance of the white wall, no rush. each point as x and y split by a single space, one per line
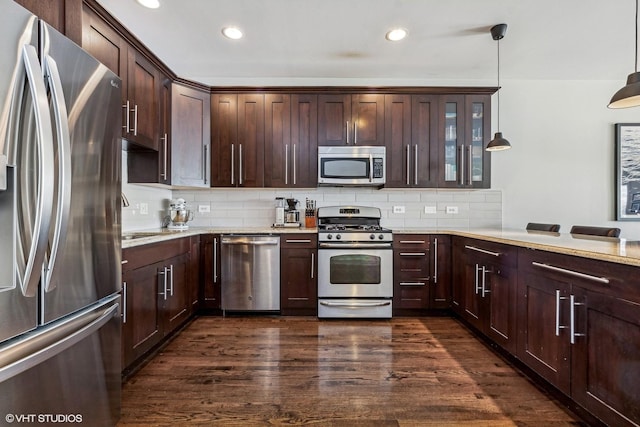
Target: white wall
561 167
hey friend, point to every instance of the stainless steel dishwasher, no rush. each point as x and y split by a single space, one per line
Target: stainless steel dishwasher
250 272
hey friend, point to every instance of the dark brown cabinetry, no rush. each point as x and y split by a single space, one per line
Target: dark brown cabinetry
579 328
351 119
63 15
190 136
298 274
486 294
421 272
140 79
410 136
464 129
237 138
155 294
291 136
210 261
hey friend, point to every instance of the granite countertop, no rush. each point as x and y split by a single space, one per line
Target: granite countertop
616 250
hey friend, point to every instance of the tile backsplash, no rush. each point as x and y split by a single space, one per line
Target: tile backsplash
423 208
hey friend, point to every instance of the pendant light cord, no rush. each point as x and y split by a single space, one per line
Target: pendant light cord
499 80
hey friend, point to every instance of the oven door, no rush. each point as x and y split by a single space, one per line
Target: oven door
355 273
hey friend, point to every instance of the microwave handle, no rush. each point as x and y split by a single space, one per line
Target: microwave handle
370 168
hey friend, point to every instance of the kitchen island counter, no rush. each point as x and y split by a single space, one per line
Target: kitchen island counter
610 249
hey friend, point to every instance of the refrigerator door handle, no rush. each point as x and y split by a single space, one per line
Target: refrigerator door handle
39 234
63 204
55 341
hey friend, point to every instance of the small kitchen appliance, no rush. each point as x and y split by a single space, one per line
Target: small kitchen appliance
291 213
355 263
179 215
279 222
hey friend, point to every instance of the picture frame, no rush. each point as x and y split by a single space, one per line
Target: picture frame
627 171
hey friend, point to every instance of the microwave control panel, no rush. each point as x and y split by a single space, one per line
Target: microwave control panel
378 166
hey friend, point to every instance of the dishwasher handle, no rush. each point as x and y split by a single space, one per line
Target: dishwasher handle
249 241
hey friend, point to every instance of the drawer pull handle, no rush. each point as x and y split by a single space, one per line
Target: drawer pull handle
412 254
571 272
484 251
298 241
412 242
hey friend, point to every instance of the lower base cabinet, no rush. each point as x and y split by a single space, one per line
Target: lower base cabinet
156 295
210 268
298 274
579 328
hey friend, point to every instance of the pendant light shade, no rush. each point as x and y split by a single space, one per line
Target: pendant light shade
629 96
498 143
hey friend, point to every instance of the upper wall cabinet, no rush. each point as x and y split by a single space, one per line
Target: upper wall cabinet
140 79
291 132
345 119
237 139
464 129
190 137
63 15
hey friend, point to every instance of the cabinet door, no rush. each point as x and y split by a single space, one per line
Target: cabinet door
194 275
464 128
605 364
175 297
543 337
440 290
298 280
224 139
411 287
500 297
141 331
458 261
367 115
143 89
250 156
400 150
190 136
278 148
211 272
304 140
63 15
164 155
334 119
472 298
423 161
477 136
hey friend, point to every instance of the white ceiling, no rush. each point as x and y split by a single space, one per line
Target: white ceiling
292 42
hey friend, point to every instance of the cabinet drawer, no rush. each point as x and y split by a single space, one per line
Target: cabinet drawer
617 280
410 241
295 240
490 252
139 256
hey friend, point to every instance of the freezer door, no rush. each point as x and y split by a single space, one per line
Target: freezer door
67 373
26 157
83 263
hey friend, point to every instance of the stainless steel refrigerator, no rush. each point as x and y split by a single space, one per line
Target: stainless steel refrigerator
60 120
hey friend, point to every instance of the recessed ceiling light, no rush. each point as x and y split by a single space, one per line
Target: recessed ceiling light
233 33
396 34
151 4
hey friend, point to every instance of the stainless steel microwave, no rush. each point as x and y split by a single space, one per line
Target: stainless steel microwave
352 165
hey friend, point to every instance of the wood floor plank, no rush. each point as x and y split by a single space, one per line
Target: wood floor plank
259 371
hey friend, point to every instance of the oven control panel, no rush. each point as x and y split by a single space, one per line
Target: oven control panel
355 237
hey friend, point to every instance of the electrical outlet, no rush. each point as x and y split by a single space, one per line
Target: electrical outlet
204 208
452 209
144 209
398 209
430 210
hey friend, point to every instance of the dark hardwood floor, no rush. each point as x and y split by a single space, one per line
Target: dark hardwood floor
256 371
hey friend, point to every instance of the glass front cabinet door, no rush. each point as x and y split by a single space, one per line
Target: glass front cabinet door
465 129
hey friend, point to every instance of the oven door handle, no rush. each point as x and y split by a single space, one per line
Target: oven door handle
324 245
355 304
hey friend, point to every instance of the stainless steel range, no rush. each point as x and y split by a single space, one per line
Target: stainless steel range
355 263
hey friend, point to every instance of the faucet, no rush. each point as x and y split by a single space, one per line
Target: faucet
125 201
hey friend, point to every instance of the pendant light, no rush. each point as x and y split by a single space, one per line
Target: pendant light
498 143
629 96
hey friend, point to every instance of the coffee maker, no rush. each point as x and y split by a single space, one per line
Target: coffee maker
291 213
